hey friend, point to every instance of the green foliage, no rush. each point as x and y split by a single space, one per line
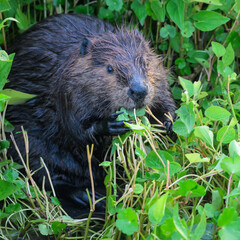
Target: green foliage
183 189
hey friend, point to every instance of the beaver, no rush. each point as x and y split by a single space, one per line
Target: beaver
82 70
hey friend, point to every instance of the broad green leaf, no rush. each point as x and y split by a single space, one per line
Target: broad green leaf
230 231
158 8
138 188
226 134
182 229
136 128
184 125
6 189
11 175
187 29
168 227
16 96
174 168
229 56
175 9
152 160
157 210
114 5
218 49
4 5
11 208
58 227
210 210
44 229
55 201
187 85
217 198
139 10
231 165
190 188
204 134
208 20
198 232
217 113
195 158
127 221
168 30
4 56
234 149
105 13
22 20
227 216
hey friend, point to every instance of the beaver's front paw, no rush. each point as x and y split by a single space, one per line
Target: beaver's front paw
110 126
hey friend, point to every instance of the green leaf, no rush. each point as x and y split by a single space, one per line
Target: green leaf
227 216
168 227
152 160
168 30
127 221
158 9
204 134
184 125
210 210
230 231
229 56
218 49
190 188
227 133
139 10
157 210
198 232
4 5
180 225
16 96
11 208
55 201
234 149
138 188
114 5
105 164
196 158
4 56
22 20
187 30
139 129
175 9
105 13
208 20
217 113
11 175
44 229
6 189
58 227
187 85
231 165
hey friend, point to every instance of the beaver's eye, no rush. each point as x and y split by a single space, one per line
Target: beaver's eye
109 69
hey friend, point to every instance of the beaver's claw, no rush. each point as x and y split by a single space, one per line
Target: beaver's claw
111 126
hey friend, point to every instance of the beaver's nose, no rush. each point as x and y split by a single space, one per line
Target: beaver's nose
137 92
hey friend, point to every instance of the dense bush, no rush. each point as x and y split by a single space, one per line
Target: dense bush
183 189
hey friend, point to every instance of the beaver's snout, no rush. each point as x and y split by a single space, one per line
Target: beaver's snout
137 90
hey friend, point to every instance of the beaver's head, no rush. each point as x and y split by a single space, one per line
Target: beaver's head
115 70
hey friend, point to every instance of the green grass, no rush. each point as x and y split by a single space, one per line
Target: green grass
183 189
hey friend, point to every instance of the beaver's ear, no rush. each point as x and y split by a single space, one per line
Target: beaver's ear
85 46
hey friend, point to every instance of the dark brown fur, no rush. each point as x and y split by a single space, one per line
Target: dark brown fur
64 61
